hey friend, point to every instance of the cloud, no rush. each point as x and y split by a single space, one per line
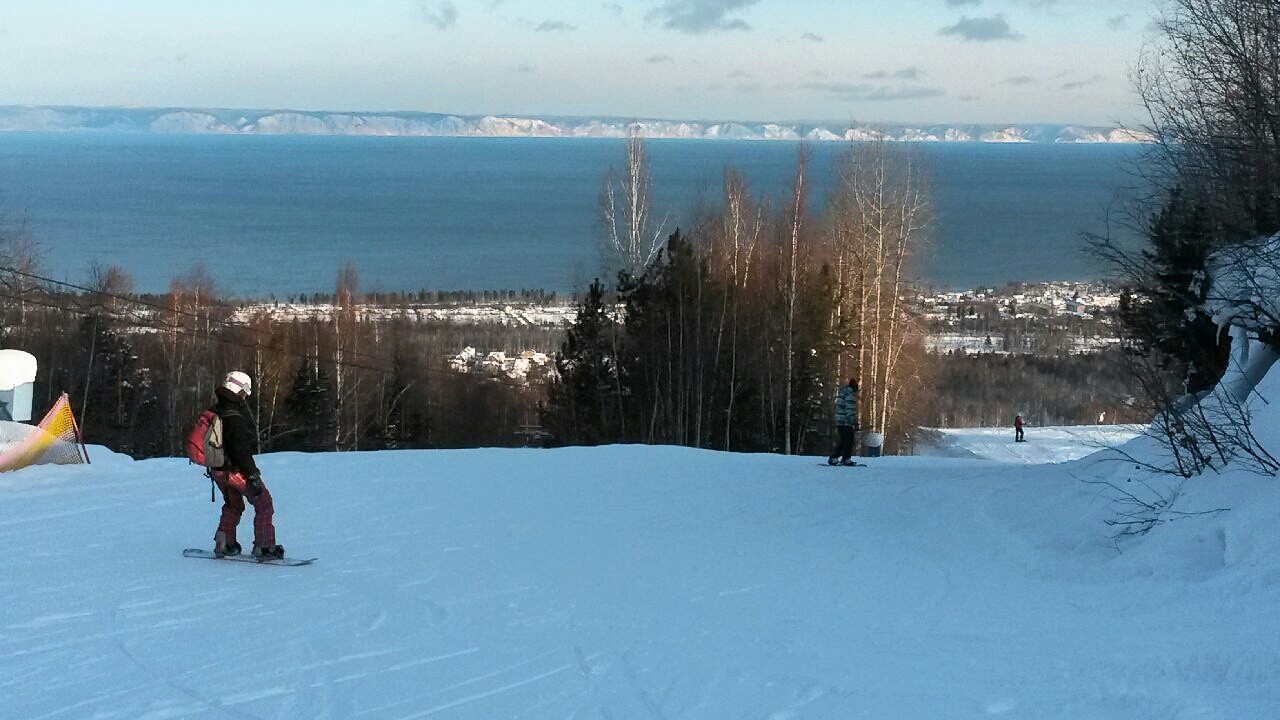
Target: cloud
958 3
866 92
811 37
526 68
839 88
884 94
906 73
739 74
700 16
659 59
969 98
747 88
981 29
554 26
493 4
1019 80
1078 84
1118 22
442 14
612 7
714 87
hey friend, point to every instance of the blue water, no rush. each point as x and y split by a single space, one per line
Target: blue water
279 215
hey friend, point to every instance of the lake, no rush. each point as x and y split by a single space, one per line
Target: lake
279 215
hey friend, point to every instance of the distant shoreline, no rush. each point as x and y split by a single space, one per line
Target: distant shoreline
237 122
1100 294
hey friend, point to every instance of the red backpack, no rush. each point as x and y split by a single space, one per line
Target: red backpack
204 441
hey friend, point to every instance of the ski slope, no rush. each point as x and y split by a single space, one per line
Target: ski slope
636 582
1052 444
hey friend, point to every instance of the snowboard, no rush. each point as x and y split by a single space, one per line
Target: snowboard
208 554
857 464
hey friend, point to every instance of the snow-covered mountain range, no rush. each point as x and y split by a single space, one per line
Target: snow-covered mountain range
27 118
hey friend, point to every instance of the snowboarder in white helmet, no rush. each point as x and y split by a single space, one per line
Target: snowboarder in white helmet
238 478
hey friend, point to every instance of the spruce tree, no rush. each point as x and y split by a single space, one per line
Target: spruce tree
581 402
1163 313
309 408
113 392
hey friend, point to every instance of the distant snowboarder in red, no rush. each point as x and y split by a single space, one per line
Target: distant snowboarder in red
239 478
1017 429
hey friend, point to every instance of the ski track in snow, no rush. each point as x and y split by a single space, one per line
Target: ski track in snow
629 582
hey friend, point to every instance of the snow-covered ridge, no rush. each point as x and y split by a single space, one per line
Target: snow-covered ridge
26 118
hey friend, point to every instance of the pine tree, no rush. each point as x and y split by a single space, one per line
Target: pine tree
581 402
815 362
115 392
1163 313
309 407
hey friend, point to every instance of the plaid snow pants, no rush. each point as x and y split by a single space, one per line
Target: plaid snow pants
232 486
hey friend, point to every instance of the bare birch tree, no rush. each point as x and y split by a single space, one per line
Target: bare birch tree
344 329
738 234
791 261
186 358
881 214
633 240
20 256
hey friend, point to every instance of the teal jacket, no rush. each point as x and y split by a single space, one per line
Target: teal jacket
846 407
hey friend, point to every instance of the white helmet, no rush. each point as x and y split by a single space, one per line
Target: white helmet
238 382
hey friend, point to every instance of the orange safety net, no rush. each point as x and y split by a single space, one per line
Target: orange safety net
55 441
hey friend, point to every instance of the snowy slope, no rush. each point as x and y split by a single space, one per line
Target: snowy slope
635 582
1043 445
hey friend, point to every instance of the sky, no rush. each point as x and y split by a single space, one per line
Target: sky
921 61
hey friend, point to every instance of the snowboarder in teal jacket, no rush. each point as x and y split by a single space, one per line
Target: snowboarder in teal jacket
846 423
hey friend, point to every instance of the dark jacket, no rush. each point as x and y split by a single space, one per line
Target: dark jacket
239 434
